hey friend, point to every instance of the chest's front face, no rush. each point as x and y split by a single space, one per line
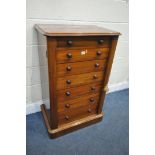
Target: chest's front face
79 75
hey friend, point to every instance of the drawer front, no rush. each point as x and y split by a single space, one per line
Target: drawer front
71 93
82 112
77 108
83 41
80 67
81 79
83 54
85 100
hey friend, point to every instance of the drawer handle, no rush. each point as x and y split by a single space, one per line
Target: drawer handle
89 110
101 41
68 93
67 117
91 100
67 105
93 88
96 65
68 68
99 53
69 55
68 81
69 42
95 77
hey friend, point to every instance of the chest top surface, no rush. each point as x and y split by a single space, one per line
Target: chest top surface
74 30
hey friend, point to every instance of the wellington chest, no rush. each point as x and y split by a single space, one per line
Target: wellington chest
79 63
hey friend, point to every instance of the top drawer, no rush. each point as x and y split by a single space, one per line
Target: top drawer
82 54
83 41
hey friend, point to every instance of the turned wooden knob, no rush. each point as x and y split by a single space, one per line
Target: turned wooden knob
93 88
99 53
67 117
101 41
68 93
89 110
69 55
68 68
96 65
68 81
69 42
91 100
67 105
95 77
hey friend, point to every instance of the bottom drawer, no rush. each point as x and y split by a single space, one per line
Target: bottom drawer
72 115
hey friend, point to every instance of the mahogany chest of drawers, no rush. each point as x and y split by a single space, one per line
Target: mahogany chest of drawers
79 64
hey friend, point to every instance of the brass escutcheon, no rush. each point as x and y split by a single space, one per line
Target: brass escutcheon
106 89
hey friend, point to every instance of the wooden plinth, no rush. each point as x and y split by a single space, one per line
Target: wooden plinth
69 127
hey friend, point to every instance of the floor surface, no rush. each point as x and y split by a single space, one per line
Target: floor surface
108 137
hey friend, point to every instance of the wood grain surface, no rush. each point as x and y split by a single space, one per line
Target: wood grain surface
80 67
73 30
79 79
77 91
82 54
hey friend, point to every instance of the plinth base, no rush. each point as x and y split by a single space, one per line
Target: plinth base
69 127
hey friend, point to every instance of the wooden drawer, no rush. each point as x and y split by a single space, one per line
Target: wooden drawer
77 108
71 93
81 79
82 54
80 67
70 116
85 100
83 41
